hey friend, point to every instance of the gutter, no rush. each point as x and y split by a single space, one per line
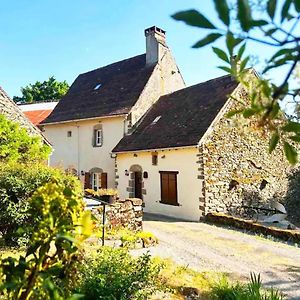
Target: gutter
84 119
157 149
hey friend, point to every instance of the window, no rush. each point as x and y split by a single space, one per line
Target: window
168 186
155 120
154 158
69 133
96 180
98 136
98 86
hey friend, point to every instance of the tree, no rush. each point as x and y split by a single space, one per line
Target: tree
271 23
50 89
16 145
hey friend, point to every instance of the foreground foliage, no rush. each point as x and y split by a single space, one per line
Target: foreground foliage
223 290
60 224
271 23
18 182
16 145
112 273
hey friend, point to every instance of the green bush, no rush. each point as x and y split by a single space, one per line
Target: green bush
16 145
223 290
60 226
18 182
115 275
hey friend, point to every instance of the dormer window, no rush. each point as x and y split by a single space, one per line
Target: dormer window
155 120
98 136
98 86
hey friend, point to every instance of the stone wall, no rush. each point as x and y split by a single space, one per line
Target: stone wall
126 213
238 170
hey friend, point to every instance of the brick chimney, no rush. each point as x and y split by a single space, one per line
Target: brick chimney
155 43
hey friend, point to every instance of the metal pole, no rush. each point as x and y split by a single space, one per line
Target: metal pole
103 223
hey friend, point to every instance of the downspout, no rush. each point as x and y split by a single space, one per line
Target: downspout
78 153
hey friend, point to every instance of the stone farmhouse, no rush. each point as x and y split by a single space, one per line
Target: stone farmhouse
134 125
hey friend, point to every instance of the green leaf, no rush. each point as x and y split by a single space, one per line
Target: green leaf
285 9
275 110
193 18
223 11
221 54
226 69
241 51
295 138
271 7
258 23
273 141
248 112
244 14
207 40
281 52
76 297
233 113
290 153
291 127
270 31
231 42
297 5
244 63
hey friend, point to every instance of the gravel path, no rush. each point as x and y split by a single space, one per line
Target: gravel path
206 247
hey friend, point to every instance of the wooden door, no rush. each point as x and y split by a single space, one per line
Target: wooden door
138 185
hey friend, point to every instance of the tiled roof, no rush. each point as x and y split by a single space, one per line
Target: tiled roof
107 91
38 111
37 116
181 118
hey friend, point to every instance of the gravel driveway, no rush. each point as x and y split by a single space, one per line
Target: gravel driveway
206 247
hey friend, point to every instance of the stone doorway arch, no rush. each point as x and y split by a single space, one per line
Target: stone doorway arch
136 183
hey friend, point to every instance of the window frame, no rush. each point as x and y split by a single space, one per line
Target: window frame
173 202
98 137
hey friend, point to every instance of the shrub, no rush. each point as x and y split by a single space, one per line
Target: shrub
18 182
16 145
114 274
253 290
60 224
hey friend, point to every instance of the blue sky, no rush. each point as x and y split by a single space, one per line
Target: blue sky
41 38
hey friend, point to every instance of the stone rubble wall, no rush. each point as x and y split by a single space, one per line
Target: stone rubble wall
127 213
239 172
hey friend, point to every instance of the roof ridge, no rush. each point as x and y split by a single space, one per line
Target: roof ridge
198 84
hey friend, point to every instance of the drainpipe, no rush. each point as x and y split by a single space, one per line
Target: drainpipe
78 152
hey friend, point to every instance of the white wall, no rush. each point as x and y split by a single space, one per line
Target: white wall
78 151
188 185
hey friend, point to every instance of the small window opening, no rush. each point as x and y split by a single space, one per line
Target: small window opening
155 120
154 159
233 184
97 87
263 184
69 133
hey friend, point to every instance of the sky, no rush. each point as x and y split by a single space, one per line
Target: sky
63 38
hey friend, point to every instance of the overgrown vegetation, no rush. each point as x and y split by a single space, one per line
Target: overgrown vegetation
59 226
16 145
224 290
18 182
112 273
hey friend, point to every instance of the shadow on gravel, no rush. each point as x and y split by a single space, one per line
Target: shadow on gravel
161 218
